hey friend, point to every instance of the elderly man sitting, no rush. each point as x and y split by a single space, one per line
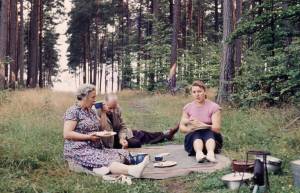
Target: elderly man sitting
110 115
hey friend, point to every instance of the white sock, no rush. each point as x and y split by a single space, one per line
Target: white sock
137 170
211 156
200 156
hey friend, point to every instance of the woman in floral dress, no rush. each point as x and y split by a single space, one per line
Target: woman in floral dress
83 147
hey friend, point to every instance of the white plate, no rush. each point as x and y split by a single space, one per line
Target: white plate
105 133
165 164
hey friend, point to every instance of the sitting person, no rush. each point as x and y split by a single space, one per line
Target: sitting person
83 147
201 121
110 115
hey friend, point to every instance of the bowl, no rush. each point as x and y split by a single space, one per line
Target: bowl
234 180
158 158
138 158
242 166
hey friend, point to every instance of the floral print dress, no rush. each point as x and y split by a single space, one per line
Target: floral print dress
87 153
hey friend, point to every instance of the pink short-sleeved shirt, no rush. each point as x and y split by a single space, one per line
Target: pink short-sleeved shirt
202 113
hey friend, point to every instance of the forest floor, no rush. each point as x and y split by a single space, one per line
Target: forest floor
31 142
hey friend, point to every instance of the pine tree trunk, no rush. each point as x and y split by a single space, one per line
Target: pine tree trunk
105 79
84 59
273 29
250 36
171 7
21 44
90 66
101 63
118 78
288 39
126 78
3 39
41 71
200 21
190 13
216 17
139 26
13 33
173 66
33 45
227 63
96 62
112 64
184 25
238 42
150 68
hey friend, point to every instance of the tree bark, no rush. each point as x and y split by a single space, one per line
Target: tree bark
171 7
84 59
250 36
190 13
139 26
126 78
112 63
173 66
200 21
13 33
101 62
21 43
227 63
3 40
33 45
96 62
41 71
184 25
90 65
238 42
216 17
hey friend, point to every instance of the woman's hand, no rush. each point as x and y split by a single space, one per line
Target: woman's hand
197 123
93 137
124 143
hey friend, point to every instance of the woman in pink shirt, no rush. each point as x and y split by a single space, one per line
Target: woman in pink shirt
201 121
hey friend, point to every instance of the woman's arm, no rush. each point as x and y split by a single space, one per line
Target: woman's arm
70 134
216 122
185 126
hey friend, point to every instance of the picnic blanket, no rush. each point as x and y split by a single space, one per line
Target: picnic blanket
185 164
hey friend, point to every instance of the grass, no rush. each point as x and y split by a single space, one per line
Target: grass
31 142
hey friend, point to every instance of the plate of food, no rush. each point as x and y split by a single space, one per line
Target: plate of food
105 133
164 164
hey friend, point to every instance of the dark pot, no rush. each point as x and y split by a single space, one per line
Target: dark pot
242 166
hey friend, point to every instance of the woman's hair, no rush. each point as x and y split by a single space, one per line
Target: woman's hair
84 90
200 84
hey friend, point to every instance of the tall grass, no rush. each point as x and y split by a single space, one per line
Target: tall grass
31 142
